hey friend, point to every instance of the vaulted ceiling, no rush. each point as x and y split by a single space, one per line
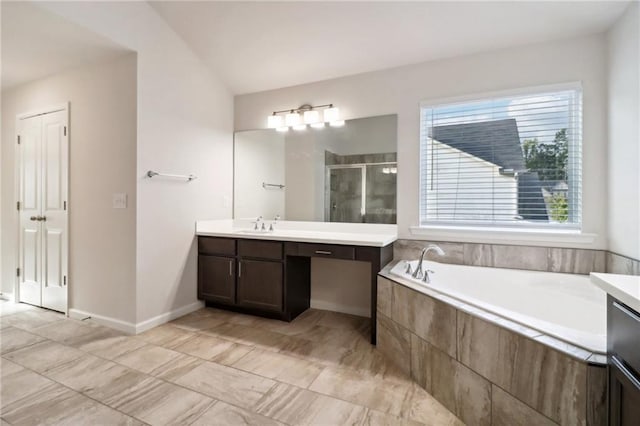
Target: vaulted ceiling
256 46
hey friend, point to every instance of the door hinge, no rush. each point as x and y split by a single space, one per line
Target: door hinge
18 205
18 272
64 280
65 130
64 205
18 139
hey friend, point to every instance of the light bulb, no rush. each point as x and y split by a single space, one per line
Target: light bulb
274 121
331 114
292 119
300 127
337 123
311 117
319 125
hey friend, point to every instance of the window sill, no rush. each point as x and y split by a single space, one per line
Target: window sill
503 235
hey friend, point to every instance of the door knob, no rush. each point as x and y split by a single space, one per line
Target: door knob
34 218
43 218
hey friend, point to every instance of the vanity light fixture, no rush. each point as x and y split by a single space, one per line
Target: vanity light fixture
306 114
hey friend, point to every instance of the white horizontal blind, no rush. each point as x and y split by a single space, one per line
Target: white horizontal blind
507 161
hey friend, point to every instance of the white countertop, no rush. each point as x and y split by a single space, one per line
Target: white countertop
625 288
356 234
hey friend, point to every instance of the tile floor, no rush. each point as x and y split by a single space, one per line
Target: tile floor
210 367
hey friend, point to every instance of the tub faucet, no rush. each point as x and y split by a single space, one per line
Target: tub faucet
418 273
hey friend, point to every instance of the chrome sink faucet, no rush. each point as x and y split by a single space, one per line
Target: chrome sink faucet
419 273
275 221
256 224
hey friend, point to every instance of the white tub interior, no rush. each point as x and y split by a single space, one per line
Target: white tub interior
566 306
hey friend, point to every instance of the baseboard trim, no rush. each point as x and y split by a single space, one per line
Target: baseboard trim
351 310
131 328
124 326
167 316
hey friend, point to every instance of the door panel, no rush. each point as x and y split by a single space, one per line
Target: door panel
260 284
30 288
217 279
54 165
43 162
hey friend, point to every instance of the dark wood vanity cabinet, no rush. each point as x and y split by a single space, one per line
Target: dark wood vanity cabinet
217 279
241 273
273 278
623 351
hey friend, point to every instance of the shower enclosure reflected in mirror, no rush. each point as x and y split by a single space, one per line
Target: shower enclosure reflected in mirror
332 174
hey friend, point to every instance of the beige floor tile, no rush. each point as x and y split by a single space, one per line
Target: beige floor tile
19 382
112 347
296 406
32 318
284 368
197 321
424 408
123 389
376 418
148 359
99 333
166 404
10 308
62 406
12 338
65 330
222 413
178 367
213 349
256 337
44 356
383 395
226 384
166 335
87 373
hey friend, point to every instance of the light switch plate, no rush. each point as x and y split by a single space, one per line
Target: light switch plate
119 201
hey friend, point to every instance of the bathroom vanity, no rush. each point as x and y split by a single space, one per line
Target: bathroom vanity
623 346
269 273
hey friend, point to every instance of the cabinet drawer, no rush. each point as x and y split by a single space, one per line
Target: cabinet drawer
623 330
327 250
271 250
214 245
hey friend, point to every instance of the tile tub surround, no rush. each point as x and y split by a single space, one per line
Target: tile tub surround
208 367
551 259
494 374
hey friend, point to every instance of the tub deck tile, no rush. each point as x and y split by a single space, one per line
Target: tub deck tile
430 319
551 382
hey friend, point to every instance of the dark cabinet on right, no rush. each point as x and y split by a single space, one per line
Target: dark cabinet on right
623 350
260 285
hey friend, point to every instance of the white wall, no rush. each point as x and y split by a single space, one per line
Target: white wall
185 125
400 91
258 157
102 136
624 135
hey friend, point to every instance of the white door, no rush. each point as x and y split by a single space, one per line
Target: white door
43 160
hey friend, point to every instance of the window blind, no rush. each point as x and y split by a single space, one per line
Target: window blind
504 161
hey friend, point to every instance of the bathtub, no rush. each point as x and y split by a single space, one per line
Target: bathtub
565 306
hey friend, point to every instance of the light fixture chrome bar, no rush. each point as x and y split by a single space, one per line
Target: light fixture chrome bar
303 108
272 185
189 178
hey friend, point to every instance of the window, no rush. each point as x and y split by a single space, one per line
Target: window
503 161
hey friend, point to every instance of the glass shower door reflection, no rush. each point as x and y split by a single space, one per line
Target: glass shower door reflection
345 194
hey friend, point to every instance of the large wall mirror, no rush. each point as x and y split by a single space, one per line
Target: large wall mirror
331 174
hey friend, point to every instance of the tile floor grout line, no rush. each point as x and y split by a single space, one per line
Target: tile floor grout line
72 390
322 367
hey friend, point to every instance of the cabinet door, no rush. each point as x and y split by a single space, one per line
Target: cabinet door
624 395
260 284
216 279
